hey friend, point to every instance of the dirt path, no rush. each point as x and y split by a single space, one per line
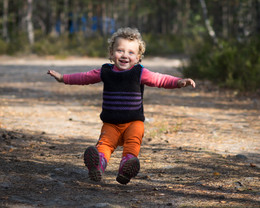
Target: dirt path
201 147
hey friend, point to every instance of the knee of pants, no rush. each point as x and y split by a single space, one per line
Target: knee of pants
106 147
133 139
134 133
108 141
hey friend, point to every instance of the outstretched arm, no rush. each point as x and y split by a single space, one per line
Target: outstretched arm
81 78
155 79
56 75
186 82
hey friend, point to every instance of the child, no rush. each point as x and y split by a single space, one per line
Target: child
122 109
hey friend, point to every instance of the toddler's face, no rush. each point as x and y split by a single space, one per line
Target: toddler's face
125 53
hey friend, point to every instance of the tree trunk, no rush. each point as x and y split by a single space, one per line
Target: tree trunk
5 18
249 19
104 16
225 19
178 18
257 7
64 17
126 13
29 22
186 15
211 31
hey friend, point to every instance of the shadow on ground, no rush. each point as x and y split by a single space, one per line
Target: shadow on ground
41 171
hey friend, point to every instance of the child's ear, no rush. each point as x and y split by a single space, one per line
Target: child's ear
111 56
139 58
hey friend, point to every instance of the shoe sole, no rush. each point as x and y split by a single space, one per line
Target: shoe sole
91 160
130 170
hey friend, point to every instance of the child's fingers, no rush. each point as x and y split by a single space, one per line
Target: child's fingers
188 82
192 83
50 72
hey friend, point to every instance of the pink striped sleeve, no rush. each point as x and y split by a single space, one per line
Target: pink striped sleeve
155 79
83 78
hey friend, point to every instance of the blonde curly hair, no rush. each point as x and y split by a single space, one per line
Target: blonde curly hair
129 34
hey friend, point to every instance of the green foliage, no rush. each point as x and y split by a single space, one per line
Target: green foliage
49 46
71 45
161 45
61 46
235 65
95 46
3 47
15 45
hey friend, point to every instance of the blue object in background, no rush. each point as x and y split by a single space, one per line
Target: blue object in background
58 27
112 28
94 24
71 25
109 25
81 24
84 23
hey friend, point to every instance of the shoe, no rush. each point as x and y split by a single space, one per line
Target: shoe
95 162
129 168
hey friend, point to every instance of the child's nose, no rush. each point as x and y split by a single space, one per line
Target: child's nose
124 54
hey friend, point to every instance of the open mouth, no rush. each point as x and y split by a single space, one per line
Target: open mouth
123 61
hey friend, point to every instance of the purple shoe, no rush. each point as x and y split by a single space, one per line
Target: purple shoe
95 162
129 168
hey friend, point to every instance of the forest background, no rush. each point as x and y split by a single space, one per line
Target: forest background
220 38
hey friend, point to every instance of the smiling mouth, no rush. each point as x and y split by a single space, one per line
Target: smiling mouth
124 62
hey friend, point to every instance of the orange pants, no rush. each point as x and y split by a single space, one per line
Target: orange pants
128 135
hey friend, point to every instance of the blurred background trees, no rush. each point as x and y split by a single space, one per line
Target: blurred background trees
220 37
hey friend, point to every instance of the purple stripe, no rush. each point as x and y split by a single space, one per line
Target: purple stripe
122 102
122 93
122 97
121 108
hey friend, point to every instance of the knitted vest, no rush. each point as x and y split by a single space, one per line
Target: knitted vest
122 95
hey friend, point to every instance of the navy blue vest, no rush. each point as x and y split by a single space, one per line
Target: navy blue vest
122 95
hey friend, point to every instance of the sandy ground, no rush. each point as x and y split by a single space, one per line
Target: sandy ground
200 149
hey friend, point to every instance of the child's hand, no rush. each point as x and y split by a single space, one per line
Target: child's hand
56 75
186 82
